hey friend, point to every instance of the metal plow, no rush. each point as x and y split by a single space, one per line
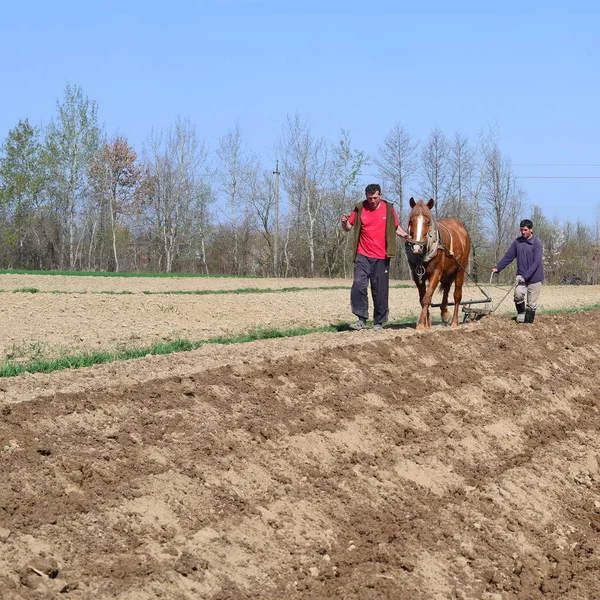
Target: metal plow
473 313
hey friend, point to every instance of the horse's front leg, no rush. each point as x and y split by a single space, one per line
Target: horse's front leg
425 319
422 287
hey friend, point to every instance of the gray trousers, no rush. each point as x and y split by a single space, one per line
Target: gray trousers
528 293
376 271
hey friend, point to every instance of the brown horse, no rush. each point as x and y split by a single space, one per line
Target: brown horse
438 253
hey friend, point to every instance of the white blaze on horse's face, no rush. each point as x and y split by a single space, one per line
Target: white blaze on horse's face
420 224
418 248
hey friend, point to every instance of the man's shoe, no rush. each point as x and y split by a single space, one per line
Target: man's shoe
378 327
520 318
360 324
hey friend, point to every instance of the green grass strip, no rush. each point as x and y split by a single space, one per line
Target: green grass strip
10 368
558 311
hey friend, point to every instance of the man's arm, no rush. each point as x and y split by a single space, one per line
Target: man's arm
510 255
399 231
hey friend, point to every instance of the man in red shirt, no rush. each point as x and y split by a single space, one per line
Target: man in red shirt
376 226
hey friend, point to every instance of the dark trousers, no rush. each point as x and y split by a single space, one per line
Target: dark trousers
376 271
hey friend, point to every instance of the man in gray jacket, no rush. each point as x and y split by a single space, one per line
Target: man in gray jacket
527 249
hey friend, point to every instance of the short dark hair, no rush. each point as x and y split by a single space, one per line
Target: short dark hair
526 223
373 188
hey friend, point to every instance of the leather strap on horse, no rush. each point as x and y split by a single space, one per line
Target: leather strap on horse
434 238
450 250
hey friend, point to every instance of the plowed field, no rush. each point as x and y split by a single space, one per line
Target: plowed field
449 464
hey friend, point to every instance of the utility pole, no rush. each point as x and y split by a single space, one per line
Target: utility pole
276 226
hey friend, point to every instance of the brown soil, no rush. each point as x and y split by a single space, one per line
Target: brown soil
87 318
451 464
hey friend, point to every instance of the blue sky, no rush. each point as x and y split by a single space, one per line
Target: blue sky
528 69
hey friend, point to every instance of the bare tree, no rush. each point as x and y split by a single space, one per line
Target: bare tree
397 163
344 191
305 164
465 185
436 169
174 190
232 174
116 177
260 190
502 197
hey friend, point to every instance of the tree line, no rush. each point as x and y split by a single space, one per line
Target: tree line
74 199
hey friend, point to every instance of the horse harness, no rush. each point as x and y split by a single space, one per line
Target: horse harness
433 242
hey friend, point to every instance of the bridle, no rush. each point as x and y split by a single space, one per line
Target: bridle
428 247
412 243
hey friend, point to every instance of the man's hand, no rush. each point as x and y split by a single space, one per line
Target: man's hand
399 231
345 223
494 270
520 279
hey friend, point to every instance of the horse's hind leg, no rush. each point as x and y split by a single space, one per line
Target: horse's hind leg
458 283
444 305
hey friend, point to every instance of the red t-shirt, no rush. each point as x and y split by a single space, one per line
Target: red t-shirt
373 229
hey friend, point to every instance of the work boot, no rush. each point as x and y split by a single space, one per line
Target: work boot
529 315
520 306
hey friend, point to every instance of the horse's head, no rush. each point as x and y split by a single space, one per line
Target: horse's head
420 222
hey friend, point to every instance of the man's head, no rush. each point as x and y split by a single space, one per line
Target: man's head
373 194
526 227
